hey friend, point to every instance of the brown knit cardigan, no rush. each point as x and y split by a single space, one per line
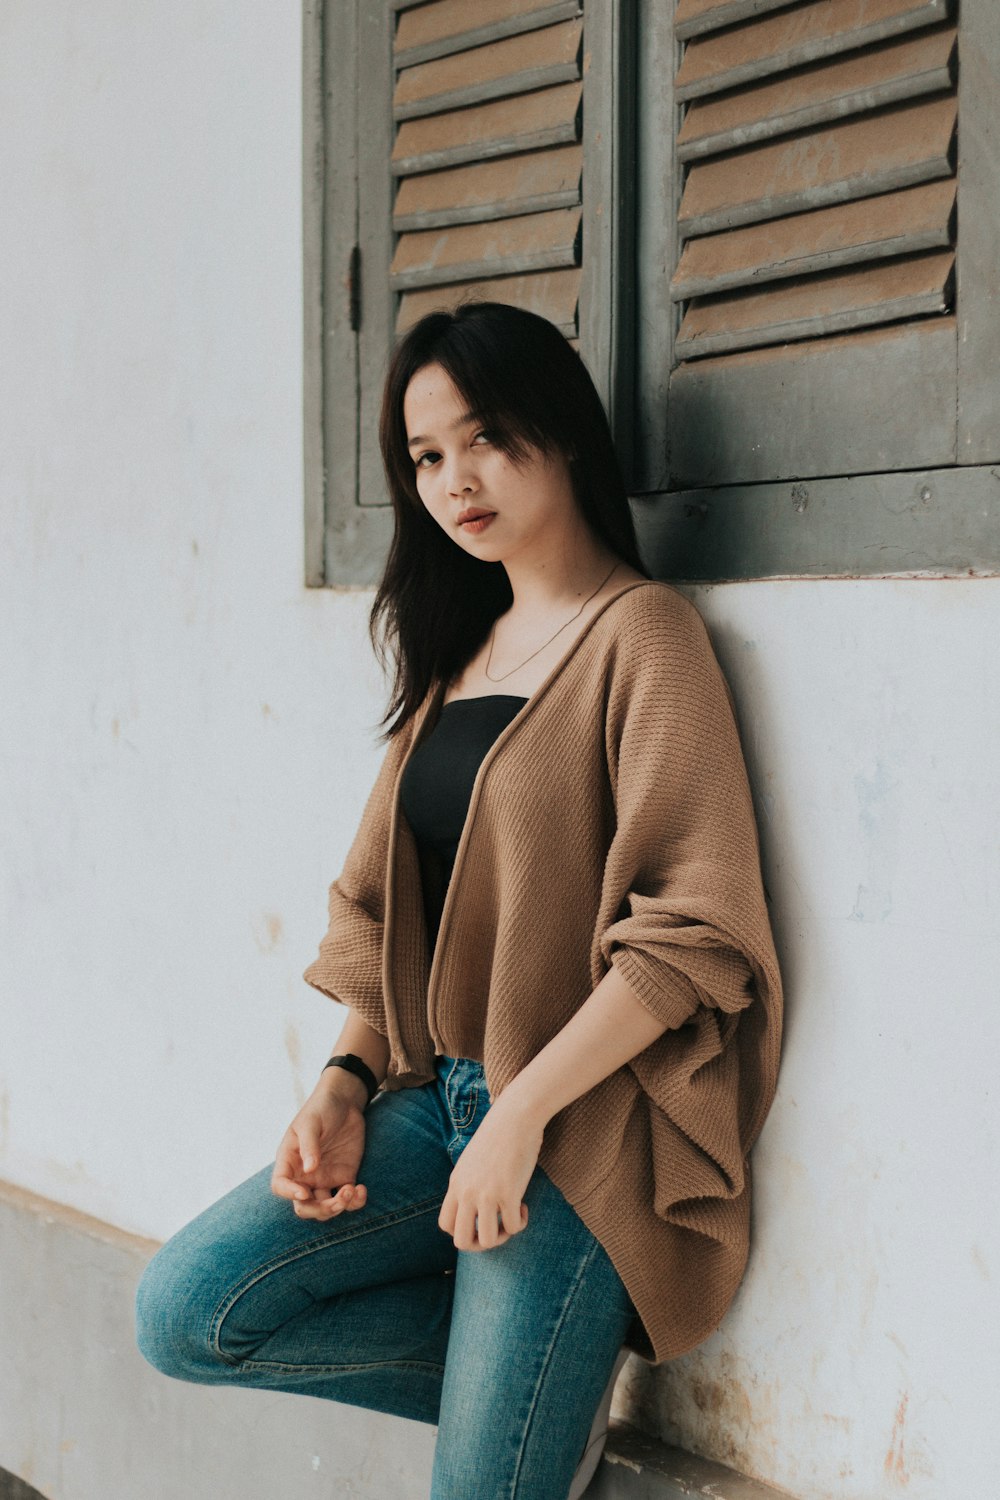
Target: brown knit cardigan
611 821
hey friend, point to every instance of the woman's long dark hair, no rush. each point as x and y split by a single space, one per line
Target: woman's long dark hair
521 379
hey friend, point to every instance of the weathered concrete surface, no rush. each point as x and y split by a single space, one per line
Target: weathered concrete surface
83 1417
637 1467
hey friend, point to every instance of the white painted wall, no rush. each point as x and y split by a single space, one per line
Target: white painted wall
860 1359
185 729
187 737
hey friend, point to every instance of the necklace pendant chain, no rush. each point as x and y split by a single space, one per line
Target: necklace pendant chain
551 638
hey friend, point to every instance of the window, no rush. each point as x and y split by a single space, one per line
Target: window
770 226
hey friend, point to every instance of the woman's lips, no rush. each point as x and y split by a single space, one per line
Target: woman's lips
480 523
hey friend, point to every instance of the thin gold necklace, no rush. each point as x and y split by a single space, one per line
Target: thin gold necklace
547 643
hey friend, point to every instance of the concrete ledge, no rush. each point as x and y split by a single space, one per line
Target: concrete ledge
83 1417
16 1489
637 1467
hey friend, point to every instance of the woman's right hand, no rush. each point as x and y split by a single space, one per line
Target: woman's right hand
317 1162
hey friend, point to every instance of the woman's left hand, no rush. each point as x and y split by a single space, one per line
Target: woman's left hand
489 1179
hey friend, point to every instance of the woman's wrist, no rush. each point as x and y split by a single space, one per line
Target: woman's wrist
337 1083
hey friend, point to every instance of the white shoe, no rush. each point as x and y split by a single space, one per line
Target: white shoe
598 1434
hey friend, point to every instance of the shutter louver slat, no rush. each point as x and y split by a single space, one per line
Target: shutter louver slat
793 38
549 117
488 159
554 294
504 247
917 218
902 146
826 304
825 91
515 65
438 29
695 16
530 183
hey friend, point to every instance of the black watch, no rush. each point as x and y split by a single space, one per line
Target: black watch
359 1068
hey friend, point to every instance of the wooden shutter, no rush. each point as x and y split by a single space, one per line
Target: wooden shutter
487 157
815 161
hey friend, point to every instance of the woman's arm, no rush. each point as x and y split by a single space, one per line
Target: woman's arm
317 1162
368 1044
608 1030
484 1205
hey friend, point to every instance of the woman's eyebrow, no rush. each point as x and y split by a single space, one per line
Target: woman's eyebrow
462 421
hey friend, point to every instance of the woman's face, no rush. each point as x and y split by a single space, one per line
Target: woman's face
457 468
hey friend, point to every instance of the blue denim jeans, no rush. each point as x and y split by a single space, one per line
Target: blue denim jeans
507 1350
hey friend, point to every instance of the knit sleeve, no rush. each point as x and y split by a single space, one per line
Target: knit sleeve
348 967
685 854
690 933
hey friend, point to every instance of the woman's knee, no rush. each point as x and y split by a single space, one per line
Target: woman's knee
173 1318
181 1290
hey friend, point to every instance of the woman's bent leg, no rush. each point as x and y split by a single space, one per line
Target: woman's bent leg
536 1326
354 1309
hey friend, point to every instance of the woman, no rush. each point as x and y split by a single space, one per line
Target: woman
529 1156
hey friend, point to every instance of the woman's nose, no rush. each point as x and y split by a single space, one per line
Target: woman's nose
459 478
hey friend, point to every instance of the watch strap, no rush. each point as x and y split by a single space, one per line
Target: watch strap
356 1065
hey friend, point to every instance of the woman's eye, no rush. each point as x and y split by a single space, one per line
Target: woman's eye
426 459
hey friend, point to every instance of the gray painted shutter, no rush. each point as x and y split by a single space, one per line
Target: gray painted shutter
816 239
488 157
451 150
818 188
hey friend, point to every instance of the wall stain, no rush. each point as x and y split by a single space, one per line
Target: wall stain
981 1264
895 1460
268 930
293 1046
721 1410
878 819
895 1339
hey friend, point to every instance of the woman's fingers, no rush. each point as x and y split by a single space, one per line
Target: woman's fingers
497 1228
326 1203
515 1219
489 1230
465 1227
284 1186
308 1144
284 1177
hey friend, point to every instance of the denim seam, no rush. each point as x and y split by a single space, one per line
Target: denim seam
475 1098
473 1104
279 1367
563 1314
233 1294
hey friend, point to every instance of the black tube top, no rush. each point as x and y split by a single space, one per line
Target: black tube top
436 787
